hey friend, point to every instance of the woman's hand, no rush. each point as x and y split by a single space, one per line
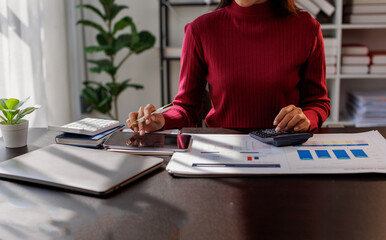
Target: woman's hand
291 118
152 122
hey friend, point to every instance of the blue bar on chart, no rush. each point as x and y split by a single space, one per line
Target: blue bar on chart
359 153
341 154
323 154
305 155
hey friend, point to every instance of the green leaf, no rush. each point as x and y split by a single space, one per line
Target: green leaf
117 88
93 25
92 8
107 6
22 102
10 114
4 120
11 103
103 65
94 49
6 114
3 105
147 40
98 98
122 24
102 40
136 86
87 83
122 41
25 112
115 9
90 96
105 105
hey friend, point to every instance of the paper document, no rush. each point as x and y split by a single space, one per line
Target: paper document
225 154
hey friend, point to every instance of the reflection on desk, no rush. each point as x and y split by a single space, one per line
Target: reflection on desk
159 206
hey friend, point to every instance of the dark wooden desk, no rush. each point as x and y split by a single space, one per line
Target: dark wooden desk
159 206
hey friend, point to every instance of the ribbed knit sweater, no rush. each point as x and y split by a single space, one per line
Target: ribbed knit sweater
254 63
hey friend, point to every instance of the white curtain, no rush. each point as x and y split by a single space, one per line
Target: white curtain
34 58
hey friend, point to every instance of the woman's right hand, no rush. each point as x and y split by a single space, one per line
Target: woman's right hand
152 122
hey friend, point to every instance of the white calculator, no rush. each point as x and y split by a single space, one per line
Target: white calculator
87 126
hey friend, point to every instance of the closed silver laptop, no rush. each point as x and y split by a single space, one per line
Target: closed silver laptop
84 170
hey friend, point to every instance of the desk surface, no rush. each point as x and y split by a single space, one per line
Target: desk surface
159 206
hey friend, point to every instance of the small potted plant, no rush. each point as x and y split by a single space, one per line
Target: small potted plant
13 127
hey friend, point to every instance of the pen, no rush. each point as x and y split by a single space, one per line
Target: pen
159 110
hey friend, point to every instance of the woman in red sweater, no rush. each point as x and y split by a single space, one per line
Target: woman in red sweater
264 63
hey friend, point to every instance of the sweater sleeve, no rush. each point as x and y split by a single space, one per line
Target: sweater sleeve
313 90
192 82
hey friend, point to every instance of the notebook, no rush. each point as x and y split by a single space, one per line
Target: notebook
83 170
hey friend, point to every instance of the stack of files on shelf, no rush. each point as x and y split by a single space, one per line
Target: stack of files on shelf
355 59
365 11
82 140
315 6
322 10
367 108
378 62
330 46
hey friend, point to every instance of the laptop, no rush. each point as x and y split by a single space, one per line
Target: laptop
83 170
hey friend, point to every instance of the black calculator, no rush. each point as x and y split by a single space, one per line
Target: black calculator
282 138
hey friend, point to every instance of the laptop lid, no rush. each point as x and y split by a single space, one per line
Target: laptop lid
84 170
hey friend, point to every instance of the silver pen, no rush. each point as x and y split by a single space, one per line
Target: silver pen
159 110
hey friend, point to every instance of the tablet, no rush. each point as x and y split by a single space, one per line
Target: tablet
148 143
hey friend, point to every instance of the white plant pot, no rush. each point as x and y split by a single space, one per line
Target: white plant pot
15 135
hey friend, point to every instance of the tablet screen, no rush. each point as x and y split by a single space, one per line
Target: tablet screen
149 141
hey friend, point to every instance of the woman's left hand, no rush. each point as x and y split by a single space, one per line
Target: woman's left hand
291 118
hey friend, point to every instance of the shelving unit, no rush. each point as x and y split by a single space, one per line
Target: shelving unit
337 84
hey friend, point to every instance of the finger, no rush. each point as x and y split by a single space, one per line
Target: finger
147 112
284 111
131 121
302 127
296 119
286 119
140 124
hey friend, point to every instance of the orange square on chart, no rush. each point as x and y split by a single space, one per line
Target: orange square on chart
249 158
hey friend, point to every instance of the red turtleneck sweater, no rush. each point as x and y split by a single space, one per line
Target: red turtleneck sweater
255 64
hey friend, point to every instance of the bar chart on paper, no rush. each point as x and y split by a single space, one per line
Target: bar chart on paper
333 150
242 155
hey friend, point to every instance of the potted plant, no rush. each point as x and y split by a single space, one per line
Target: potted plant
103 97
13 127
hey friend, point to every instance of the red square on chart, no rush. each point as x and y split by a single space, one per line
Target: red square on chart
249 158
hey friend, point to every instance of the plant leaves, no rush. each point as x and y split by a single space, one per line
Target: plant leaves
147 40
4 120
136 86
115 9
11 103
117 88
94 49
26 111
122 41
94 25
3 105
98 98
122 24
107 6
92 8
10 114
101 39
103 65
22 102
